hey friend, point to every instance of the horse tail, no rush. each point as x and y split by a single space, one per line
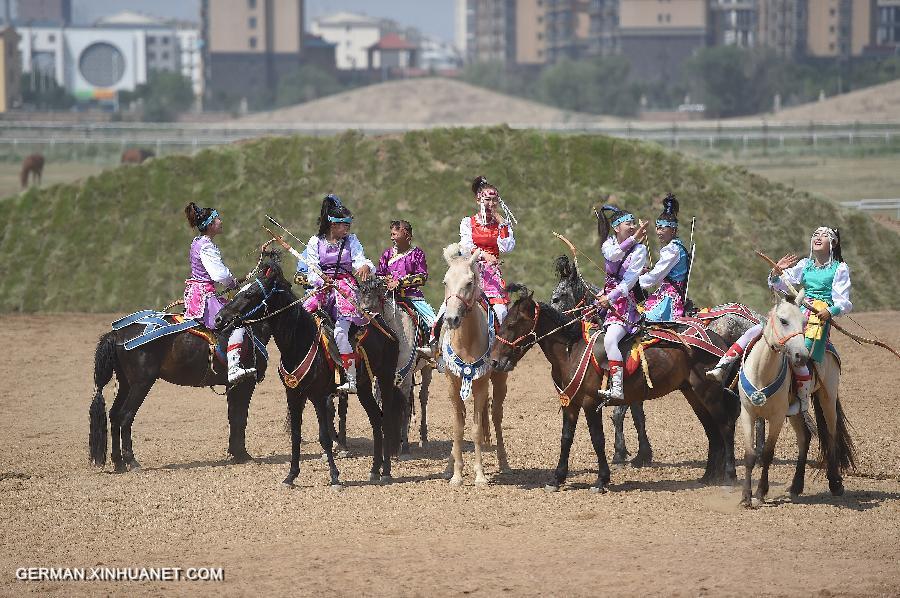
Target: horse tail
841 448
104 366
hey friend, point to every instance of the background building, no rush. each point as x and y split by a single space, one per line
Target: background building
352 34
658 37
10 69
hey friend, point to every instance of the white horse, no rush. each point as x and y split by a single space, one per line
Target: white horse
374 298
466 344
765 391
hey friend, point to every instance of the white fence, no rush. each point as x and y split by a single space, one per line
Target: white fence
888 207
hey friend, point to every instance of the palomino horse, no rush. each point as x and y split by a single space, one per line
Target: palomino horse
765 391
671 367
574 295
32 165
306 374
136 155
376 299
182 358
465 352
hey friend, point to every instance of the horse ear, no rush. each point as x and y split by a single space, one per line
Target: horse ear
451 251
800 296
474 257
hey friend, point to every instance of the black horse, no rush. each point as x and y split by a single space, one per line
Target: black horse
298 337
182 358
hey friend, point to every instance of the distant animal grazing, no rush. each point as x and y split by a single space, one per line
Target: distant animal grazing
136 155
33 165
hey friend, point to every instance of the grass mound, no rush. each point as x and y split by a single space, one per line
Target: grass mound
118 241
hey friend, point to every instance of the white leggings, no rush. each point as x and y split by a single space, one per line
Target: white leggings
614 334
236 337
342 336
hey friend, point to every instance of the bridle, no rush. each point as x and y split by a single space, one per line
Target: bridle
532 332
263 304
780 341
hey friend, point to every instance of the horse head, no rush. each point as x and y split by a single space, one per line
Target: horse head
251 301
784 329
518 332
571 290
371 294
462 285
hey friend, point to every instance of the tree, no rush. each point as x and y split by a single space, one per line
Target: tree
42 91
305 84
733 82
164 96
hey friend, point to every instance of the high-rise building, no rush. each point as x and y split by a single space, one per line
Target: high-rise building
818 28
44 12
733 23
249 44
10 69
887 36
603 36
658 37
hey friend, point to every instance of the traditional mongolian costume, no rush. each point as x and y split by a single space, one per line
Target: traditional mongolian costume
200 301
338 260
670 273
410 269
827 286
624 263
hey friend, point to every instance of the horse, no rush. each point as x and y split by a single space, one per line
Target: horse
467 321
182 358
136 155
374 298
32 165
573 294
765 391
672 366
307 375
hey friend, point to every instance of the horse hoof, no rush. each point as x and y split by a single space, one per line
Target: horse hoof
133 465
455 481
551 488
337 486
619 459
599 489
342 454
241 458
373 477
288 485
642 461
836 489
481 482
386 479
405 457
120 468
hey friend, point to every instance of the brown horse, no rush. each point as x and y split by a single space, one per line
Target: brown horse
32 165
136 155
671 367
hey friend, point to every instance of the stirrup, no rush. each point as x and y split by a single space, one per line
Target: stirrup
348 388
717 374
239 373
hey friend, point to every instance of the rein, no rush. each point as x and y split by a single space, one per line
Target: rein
537 339
780 340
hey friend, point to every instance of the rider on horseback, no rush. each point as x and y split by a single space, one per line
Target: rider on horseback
338 255
492 234
625 257
826 278
407 269
671 270
200 301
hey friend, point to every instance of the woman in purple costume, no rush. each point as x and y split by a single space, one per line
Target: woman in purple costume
200 301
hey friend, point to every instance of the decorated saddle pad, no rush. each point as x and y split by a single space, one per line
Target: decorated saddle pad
156 324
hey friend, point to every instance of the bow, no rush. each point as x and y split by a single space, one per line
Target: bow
574 251
857 338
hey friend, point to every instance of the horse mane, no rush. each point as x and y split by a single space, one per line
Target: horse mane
563 267
571 333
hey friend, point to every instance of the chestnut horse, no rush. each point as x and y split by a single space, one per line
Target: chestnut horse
32 165
136 155
671 367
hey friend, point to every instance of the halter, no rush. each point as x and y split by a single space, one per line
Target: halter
532 332
780 340
263 303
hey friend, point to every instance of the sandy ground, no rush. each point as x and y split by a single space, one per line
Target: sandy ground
658 532
879 103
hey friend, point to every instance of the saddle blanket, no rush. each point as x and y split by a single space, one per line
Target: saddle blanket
156 325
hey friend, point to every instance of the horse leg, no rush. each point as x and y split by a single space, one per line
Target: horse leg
595 427
324 439
426 374
459 421
618 418
768 454
136 396
645 452
295 402
239 396
499 386
342 424
479 415
747 423
827 410
115 425
376 421
803 438
569 422
407 404
715 466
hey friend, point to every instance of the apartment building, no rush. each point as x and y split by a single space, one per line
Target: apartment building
658 36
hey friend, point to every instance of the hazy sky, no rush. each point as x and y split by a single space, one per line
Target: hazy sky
432 17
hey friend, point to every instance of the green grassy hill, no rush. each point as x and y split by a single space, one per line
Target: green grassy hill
118 241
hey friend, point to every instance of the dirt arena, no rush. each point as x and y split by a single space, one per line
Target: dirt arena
658 532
